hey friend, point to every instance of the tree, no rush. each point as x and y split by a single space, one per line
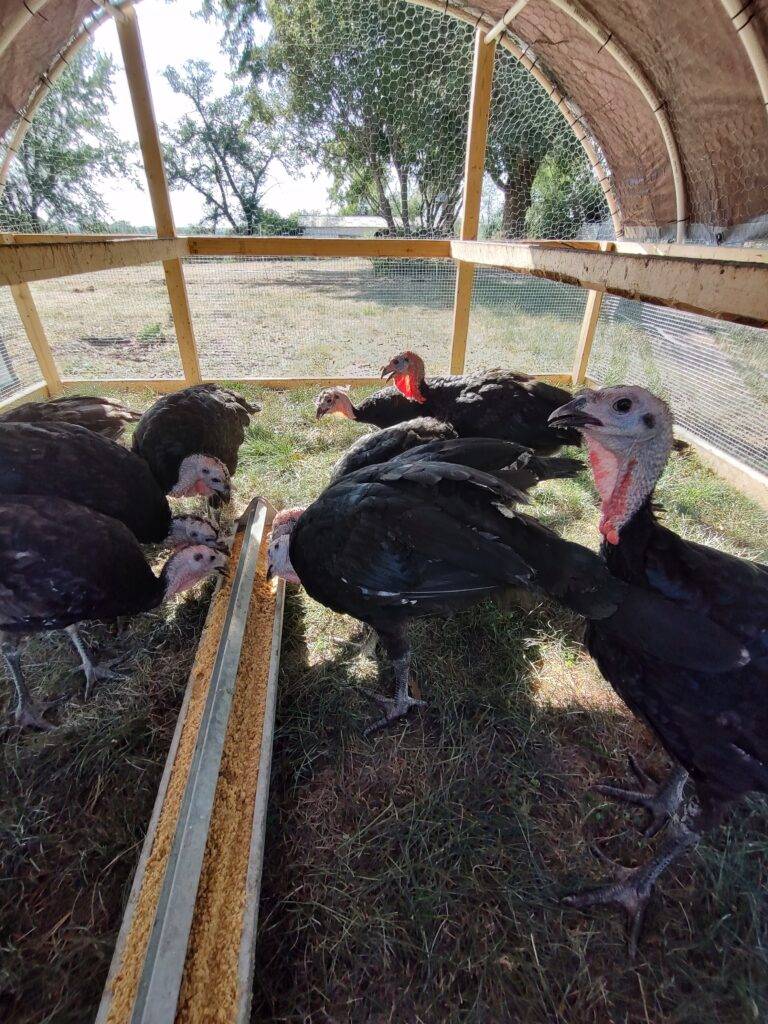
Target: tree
223 149
376 95
69 149
520 135
564 197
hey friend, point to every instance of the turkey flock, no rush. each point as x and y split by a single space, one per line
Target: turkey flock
423 517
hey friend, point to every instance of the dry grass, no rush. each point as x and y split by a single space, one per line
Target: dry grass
412 878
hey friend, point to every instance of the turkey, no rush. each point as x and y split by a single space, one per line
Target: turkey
383 445
101 415
66 461
190 439
498 403
713 724
424 535
61 563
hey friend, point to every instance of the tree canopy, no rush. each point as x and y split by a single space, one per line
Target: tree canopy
69 149
376 94
223 149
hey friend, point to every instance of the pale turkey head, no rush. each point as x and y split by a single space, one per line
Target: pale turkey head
192 529
334 402
279 554
204 475
189 565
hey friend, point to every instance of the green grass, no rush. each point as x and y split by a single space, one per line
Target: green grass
413 878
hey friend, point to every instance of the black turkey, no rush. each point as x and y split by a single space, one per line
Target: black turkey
61 563
65 461
496 403
383 445
101 415
712 723
424 535
191 438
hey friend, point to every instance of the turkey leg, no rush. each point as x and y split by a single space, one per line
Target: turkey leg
632 887
397 647
27 714
93 669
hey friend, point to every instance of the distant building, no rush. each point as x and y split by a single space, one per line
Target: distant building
316 225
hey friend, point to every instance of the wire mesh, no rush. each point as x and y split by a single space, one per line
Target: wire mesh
263 317
523 322
18 366
714 374
538 181
113 324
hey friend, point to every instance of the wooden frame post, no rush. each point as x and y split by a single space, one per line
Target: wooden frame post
474 170
33 327
586 336
154 168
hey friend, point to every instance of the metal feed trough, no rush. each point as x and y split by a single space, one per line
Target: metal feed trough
199 873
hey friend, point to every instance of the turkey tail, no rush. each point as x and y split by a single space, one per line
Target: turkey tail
100 415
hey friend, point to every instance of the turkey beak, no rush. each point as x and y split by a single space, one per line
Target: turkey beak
319 413
270 573
388 371
573 414
222 547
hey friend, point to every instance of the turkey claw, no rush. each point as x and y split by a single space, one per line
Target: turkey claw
393 709
660 800
629 890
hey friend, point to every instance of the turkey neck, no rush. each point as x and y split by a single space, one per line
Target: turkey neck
625 477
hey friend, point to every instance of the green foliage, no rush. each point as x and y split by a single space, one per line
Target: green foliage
151 332
223 149
564 196
70 147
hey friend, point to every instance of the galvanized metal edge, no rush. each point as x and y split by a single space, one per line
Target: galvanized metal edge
149 839
246 965
160 980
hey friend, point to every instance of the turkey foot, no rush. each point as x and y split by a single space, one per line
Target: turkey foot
394 708
399 705
661 801
29 714
631 888
93 670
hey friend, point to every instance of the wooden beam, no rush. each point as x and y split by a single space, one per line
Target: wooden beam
725 291
474 171
174 384
502 24
49 260
717 253
28 394
35 331
586 337
157 184
20 238
245 245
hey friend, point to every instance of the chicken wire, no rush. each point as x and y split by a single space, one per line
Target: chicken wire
713 373
267 317
18 366
523 322
114 323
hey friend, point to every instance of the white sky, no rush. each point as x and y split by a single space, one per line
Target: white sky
172 35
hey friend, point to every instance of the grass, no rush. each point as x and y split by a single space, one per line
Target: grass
412 878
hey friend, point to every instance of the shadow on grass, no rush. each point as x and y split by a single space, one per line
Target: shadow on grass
415 877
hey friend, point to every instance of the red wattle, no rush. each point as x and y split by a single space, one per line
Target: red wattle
409 387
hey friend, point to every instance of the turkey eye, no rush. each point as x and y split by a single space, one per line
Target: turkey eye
198 557
206 472
622 405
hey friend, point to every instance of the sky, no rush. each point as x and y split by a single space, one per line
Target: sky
171 35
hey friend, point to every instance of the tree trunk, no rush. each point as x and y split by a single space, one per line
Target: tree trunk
517 198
